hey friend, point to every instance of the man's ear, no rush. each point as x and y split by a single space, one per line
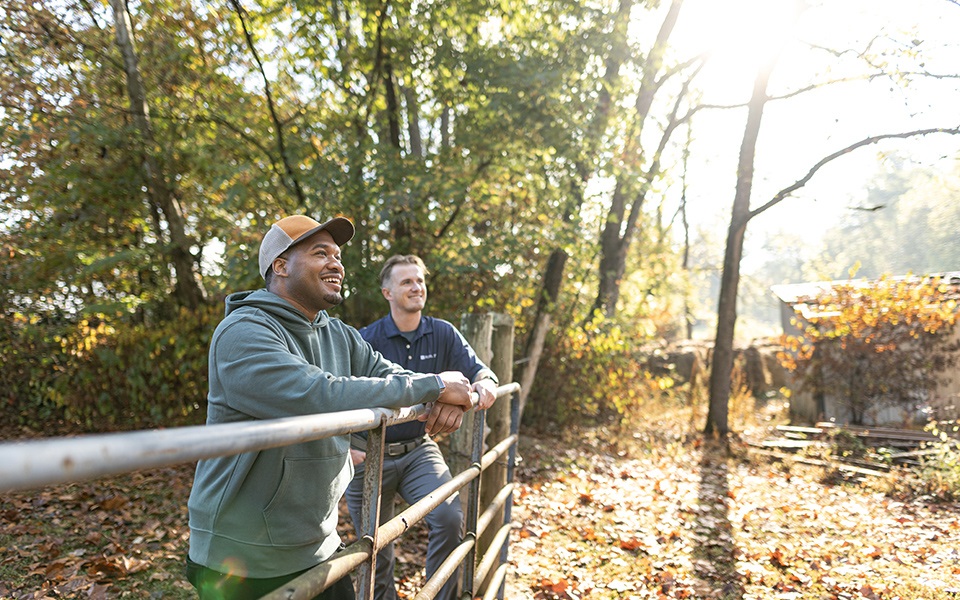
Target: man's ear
279 266
386 293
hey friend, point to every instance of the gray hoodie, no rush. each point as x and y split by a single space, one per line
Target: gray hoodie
274 512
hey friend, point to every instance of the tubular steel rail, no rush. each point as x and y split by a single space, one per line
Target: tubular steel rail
37 463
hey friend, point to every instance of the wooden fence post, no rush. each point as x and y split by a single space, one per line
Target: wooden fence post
478 329
498 419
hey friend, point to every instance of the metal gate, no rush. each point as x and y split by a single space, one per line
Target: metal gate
37 463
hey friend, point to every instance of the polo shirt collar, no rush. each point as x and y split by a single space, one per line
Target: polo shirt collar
425 327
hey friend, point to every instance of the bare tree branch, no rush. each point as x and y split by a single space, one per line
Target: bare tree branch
291 175
782 194
841 53
456 211
682 66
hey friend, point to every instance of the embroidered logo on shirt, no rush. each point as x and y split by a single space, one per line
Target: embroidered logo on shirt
428 356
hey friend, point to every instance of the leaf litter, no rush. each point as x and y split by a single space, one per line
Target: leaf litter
675 519
699 520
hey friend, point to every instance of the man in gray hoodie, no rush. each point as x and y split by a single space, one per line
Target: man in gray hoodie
259 519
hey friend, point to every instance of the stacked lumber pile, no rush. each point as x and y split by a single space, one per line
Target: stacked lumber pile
885 447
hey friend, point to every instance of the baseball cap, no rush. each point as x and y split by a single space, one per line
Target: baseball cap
290 231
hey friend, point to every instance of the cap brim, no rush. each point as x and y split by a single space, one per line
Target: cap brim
339 228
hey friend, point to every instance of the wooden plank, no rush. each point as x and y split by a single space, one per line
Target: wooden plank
797 429
819 463
902 455
889 432
790 443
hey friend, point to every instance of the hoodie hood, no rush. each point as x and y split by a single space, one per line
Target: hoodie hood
277 307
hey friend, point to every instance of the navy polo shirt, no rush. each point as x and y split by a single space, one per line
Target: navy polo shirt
435 346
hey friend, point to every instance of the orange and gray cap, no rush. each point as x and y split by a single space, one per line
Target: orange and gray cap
290 231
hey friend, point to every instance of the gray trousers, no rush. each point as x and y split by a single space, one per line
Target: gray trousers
413 476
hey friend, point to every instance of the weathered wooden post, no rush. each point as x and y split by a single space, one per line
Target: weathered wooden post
491 335
478 329
498 419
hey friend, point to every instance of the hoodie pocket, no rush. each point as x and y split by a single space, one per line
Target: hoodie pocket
309 491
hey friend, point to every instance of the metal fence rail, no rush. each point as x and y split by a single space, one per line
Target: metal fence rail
32 464
37 463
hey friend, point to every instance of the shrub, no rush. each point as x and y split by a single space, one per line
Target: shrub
595 374
875 346
29 361
99 376
939 474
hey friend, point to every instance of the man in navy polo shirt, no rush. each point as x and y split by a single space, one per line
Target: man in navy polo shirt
412 462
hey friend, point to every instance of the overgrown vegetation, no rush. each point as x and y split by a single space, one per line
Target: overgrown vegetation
932 475
939 473
602 374
876 345
94 376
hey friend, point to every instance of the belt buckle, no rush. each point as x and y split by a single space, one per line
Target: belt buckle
395 449
401 448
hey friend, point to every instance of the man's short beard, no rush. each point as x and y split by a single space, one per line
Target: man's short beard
333 298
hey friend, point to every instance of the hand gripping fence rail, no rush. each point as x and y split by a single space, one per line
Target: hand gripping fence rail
33 464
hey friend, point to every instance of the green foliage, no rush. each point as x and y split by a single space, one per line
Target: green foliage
97 376
477 134
433 139
596 374
911 225
29 358
937 477
940 470
846 444
875 345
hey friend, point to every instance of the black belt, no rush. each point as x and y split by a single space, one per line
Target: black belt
392 449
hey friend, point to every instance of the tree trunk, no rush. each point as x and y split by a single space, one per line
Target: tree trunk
399 221
445 127
290 180
541 323
553 273
685 265
611 269
722 364
413 121
617 235
187 289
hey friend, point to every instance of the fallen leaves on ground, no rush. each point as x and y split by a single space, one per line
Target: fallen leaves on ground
687 521
116 537
676 520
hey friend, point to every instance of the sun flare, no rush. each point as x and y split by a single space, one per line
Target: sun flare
738 37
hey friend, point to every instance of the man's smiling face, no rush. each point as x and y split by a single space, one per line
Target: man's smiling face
407 289
313 274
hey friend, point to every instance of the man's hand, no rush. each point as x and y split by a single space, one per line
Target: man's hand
457 391
357 456
444 418
486 389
